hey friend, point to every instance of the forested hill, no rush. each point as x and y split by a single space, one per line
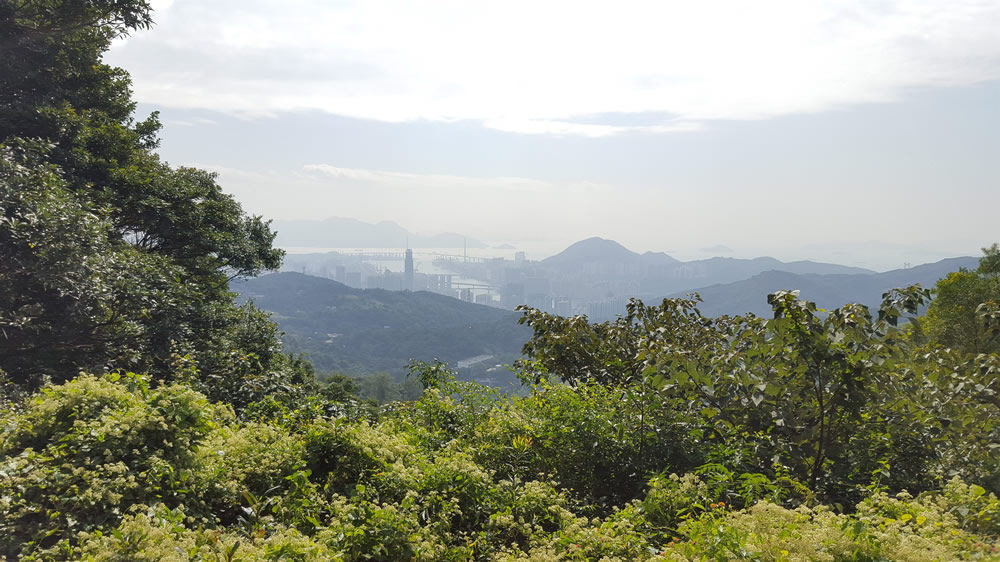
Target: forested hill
359 331
827 291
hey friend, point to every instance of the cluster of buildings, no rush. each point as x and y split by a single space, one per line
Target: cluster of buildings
498 282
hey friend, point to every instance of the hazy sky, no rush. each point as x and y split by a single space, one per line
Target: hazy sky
863 132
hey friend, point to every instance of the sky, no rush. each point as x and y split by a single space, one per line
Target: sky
858 132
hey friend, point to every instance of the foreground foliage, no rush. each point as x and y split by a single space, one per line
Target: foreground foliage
664 435
112 468
831 399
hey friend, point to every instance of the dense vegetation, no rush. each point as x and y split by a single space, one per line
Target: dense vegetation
663 435
966 308
669 436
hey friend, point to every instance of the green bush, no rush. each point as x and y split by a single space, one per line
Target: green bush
81 454
108 468
600 442
340 454
160 534
883 528
241 461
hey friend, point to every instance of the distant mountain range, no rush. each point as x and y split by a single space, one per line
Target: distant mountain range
826 290
339 232
598 261
727 285
361 331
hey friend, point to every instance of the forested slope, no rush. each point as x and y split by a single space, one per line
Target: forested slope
358 331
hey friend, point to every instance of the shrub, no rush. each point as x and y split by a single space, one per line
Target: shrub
599 442
340 454
159 534
81 454
240 461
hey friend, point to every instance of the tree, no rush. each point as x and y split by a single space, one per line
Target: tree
340 388
576 351
829 398
68 302
964 312
115 260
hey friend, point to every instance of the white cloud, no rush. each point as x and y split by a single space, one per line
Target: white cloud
195 122
397 180
545 126
532 67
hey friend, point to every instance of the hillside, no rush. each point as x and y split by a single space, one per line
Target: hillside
359 331
827 291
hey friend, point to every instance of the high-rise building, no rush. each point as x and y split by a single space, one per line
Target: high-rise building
562 307
408 270
439 282
512 295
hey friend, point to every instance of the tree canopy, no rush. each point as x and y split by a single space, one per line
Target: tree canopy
965 313
109 257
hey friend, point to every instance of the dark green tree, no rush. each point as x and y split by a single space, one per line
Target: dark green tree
111 259
70 298
340 388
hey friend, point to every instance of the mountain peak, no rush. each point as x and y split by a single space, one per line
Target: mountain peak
593 249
